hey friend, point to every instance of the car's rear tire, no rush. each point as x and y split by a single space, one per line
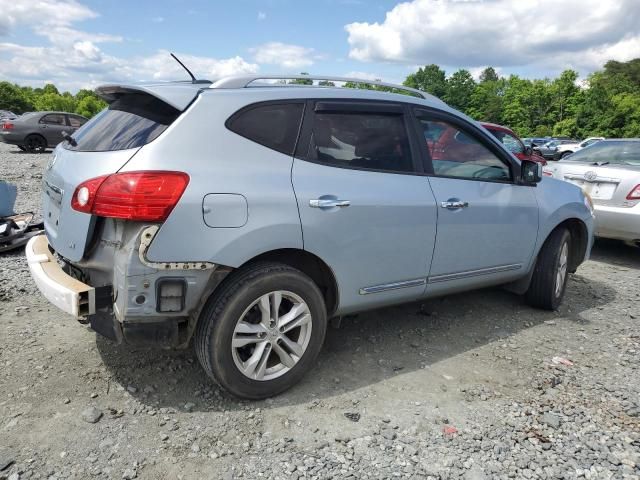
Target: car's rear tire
35 143
549 280
261 330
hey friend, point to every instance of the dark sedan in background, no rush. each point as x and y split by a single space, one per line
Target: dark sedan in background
37 131
548 150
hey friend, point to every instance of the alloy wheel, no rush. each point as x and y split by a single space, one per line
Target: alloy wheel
561 270
271 335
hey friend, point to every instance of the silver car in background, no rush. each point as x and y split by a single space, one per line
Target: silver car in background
609 172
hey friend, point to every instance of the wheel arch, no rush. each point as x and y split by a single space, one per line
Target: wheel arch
579 240
579 244
309 264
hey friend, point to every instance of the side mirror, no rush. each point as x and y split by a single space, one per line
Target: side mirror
528 150
530 172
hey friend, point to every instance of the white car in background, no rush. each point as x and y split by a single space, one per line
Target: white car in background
569 148
609 173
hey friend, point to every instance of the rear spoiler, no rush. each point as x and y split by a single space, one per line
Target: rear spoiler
178 95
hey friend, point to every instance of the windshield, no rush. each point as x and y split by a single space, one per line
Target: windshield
604 152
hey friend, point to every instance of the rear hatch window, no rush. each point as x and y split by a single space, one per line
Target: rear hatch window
131 121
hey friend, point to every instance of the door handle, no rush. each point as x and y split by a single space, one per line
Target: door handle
328 203
453 205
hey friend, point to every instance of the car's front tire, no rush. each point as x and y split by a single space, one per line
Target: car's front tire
261 330
551 272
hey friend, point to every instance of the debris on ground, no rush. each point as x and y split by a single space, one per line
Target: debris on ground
15 229
561 361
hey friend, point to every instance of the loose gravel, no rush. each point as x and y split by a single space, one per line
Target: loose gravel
473 386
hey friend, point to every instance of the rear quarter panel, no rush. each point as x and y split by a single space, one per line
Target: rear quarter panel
219 161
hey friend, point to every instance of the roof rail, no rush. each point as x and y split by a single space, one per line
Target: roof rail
245 81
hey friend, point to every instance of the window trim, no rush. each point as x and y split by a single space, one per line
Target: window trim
475 132
363 106
253 106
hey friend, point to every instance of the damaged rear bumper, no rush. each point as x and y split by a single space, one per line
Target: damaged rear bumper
65 292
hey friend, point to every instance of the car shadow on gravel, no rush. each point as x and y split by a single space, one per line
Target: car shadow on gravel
365 350
616 253
21 152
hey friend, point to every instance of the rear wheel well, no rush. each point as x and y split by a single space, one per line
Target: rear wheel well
310 265
579 241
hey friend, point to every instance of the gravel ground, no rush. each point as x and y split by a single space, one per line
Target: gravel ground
472 386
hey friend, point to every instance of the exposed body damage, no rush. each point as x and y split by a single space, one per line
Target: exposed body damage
116 259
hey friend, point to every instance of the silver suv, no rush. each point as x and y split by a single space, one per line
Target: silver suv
243 214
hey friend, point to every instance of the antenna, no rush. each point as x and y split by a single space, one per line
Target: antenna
193 78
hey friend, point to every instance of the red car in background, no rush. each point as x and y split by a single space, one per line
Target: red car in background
513 142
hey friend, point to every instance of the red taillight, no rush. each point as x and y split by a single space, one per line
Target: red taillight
7 126
634 194
141 196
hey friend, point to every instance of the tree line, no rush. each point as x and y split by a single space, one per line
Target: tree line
606 104
27 99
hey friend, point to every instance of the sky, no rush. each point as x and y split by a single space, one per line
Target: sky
83 43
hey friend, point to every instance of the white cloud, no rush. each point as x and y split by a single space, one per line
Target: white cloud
86 66
161 66
579 33
284 55
46 12
157 19
262 16
72 58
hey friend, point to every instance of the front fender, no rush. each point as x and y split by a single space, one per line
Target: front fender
558 202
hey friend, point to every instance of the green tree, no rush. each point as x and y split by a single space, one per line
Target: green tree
430 79
486 101
489 74
13 98
459 90
90 105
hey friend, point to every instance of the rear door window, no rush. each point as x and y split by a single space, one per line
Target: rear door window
131 121
76 122
363 140
274 125
53 119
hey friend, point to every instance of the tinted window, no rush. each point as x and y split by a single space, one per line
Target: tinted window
53 119
131 121
509 141
275 126
456 153
603 152
361 140
76 121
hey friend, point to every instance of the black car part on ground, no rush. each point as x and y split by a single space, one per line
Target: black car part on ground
15 229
